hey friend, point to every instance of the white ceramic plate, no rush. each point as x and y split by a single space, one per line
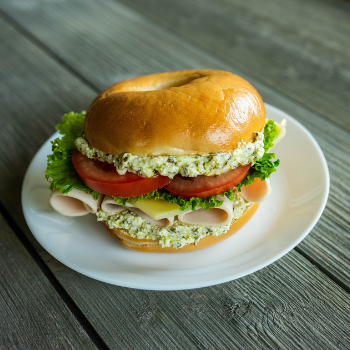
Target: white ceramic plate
300 191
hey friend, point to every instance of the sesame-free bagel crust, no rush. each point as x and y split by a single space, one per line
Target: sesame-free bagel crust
179 113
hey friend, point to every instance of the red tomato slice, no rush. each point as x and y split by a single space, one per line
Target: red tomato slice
205 186
103 177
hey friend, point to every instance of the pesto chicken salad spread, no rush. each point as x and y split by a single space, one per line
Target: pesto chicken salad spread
188 166
177 235
62 175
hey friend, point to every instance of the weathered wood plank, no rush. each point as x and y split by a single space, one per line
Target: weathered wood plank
328 244
30 108
141 48
32 314
288 305
301 48
279 306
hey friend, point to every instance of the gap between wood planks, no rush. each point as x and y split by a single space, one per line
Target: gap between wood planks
324 271
52 54
47 272
46 49
81 77
74 309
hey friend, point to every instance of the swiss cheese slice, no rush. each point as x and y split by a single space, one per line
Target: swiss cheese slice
158 209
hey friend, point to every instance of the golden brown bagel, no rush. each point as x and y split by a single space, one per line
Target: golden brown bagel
179 113
150 246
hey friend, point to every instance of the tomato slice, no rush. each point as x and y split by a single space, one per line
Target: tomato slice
205 186
103 177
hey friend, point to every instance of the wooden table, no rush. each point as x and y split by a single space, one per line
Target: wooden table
55 56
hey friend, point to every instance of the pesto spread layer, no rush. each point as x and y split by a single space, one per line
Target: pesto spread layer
177 235
189 166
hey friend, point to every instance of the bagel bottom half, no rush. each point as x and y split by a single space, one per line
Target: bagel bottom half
152 246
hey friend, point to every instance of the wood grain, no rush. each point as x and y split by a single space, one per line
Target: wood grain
32 314
132 52
36 92
298 47
289 304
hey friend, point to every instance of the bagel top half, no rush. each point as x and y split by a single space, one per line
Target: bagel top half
186 112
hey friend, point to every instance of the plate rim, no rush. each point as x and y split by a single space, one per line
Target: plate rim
194 285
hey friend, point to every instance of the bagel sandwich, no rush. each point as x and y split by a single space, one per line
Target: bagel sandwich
168 162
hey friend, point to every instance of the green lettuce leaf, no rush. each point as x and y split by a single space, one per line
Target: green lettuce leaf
270 134
60 171
263 167
184 203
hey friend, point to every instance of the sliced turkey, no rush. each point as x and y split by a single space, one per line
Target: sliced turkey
214 217
162 222
110 206
74 203
257 191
